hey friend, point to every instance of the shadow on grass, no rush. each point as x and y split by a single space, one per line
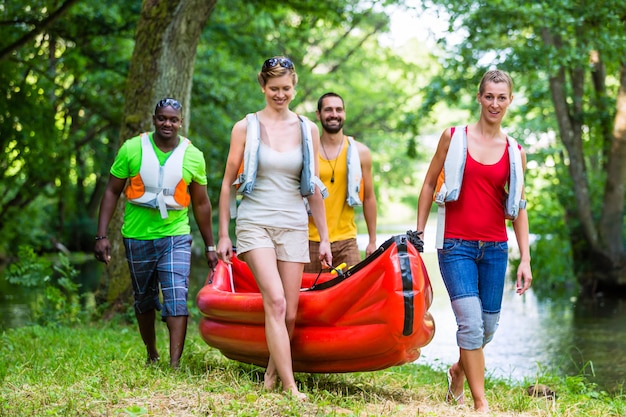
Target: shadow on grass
365 386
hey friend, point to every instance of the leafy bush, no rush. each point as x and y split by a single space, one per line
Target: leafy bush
59 302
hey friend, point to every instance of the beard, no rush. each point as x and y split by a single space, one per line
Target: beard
332 128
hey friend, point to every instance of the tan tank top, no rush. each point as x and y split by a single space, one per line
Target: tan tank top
275 200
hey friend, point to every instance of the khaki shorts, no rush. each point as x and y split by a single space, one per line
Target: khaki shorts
290 245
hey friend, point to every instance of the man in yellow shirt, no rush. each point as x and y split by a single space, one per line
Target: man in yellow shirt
345 167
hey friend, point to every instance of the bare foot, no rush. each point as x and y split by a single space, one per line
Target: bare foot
152 360
269 381
300 396
455 392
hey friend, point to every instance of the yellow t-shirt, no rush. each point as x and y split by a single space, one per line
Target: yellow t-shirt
339 215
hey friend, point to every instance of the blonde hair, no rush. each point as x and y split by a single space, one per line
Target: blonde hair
495 76
275 67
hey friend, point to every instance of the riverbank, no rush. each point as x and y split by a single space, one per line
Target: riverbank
100 371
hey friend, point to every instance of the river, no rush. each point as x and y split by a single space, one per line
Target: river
536 335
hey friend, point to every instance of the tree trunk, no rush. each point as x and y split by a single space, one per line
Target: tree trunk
612 220
162 65
599 257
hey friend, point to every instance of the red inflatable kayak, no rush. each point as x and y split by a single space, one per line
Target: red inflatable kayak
370 317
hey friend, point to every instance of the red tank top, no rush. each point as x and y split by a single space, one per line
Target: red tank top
478 214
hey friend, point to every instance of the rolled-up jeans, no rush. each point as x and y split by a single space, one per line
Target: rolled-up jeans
474 273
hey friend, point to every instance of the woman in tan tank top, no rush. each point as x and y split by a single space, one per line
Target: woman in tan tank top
272 222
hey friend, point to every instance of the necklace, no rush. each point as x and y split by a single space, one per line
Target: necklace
332 166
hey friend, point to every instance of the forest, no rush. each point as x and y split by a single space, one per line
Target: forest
80 77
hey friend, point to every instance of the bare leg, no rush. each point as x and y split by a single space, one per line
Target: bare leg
148 335
291 277
473 363
178 330
270 377
278 284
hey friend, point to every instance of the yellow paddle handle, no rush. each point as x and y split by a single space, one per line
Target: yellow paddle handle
338 268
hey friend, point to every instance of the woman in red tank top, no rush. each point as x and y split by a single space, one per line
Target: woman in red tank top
474 256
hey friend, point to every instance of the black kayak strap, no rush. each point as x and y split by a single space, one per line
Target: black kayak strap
408 294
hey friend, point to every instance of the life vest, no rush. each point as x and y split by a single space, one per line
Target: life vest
246 177
157 186
450 179
355 175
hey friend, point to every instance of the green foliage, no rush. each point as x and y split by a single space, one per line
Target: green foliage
39 216
58 301
30 270
61 112
551 246
135 411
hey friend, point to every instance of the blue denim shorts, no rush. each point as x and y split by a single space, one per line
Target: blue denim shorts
164 262
471 268
474 274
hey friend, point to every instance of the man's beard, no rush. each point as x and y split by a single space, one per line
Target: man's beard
334 128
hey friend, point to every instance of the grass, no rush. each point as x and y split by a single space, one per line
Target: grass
99 370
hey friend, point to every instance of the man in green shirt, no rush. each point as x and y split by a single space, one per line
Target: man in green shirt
165 173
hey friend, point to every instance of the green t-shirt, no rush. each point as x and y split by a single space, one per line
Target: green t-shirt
145 223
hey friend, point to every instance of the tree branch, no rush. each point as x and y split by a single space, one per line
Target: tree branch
5 52
348 54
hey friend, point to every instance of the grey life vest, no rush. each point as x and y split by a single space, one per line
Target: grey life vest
355 175
244 183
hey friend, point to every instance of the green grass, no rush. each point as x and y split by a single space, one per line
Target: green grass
100 370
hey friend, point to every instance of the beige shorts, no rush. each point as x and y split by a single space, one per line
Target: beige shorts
290 245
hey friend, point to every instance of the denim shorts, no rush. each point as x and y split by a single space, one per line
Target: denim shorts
471 268
164 262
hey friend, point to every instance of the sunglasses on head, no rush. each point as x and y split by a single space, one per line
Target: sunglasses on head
272 62
169 102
